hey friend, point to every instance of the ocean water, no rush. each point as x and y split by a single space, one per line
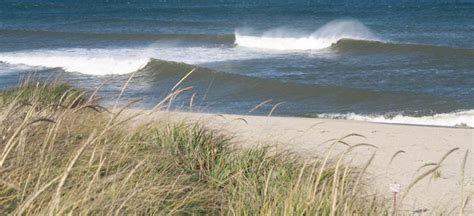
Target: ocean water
408 62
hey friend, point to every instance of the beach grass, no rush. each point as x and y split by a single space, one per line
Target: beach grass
62 153
43 94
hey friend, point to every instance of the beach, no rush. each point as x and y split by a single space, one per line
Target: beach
135 107
310 137
248 164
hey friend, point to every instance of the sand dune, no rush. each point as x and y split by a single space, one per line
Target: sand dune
416 146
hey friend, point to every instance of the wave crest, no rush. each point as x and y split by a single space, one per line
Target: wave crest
100 61
383 47
322 38
454 119
79 60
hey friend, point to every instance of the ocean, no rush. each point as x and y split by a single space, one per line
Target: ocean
409 62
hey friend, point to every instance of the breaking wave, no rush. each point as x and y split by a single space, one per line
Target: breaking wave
342 36
322 38
79 60
335 37
454 119
244 89
106 61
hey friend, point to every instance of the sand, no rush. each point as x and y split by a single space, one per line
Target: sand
311 137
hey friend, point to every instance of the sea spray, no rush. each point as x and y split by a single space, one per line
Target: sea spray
322 38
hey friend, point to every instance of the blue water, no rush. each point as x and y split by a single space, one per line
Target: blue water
393 61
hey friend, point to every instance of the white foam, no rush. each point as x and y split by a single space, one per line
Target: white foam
106 61
462 118
202 55
322 38
8 68
86 61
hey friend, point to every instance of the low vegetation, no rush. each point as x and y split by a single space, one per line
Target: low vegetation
62 153
43 94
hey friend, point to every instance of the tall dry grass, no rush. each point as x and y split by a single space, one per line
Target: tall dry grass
62 153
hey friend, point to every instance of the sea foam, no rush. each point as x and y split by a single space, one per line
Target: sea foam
322 38
105 61
79 60
454 119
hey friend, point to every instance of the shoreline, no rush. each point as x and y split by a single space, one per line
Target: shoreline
308 137
342 119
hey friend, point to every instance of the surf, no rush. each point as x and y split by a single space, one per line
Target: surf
117 61
86 61
322 38
452 119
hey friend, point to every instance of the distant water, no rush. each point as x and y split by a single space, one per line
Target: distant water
397 62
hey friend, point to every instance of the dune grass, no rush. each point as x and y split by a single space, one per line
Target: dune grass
62 153
43 94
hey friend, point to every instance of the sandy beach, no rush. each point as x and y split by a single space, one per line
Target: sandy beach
443 190
237 107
